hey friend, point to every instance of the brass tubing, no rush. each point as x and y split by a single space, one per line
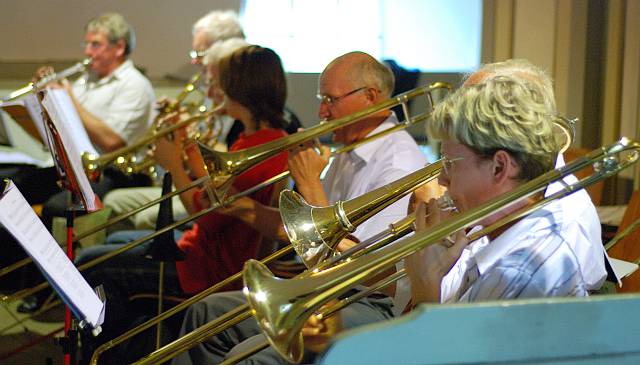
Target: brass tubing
227 320
302 221
395 231
112 221
137 210
93 164
170 312
328 312
267 295
625 232
223 165
26 292
171 350
16 265
77 68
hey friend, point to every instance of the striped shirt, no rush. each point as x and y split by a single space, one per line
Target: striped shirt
533 258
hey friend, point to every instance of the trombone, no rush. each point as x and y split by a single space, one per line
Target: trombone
319 234
93 164
306 226
248 163
243 160
223 166
131 164
77 68
406 184
281 307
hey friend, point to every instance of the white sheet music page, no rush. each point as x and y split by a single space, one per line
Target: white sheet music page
35 111
31 121
17 216
74 138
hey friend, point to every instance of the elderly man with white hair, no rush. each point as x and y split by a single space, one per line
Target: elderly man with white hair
215 35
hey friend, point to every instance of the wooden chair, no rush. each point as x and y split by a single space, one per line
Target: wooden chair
628 249
595 190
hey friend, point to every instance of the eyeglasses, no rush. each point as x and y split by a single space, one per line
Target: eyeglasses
447 163
94 44
331 100
193 54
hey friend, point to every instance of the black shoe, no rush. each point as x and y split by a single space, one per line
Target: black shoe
32 303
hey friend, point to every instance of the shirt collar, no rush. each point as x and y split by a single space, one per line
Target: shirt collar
118 73
557 186
366 151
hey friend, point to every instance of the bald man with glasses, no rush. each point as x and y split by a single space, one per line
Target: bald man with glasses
349 84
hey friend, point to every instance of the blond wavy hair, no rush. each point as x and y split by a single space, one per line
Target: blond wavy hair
518 68
502 112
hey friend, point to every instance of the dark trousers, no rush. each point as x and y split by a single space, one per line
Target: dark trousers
40 186
122 277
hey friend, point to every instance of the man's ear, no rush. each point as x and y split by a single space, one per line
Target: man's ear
372 95
504 166
120 48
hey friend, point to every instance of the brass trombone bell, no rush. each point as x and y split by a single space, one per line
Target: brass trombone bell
281 307
314 232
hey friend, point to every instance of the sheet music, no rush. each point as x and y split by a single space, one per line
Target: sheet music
31 121
35 111
74 138
21 221
622 268
17 157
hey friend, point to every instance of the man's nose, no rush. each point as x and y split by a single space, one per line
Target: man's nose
443 180
324 112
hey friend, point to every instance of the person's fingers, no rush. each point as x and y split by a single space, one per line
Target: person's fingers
325 152
421 216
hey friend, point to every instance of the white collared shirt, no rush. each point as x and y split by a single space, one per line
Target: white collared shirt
371 166
123 100
555 251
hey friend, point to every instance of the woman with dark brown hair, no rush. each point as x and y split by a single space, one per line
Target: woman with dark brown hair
252 84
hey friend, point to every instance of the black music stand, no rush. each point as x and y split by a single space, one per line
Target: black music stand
163 248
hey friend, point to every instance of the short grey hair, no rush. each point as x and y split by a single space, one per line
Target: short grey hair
219 25
367 71
116 28
503 112
221 49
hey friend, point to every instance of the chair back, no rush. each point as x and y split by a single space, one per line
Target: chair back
595 190
628 249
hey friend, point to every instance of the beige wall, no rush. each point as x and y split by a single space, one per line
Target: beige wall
37 30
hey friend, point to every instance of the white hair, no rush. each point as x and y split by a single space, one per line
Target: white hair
219 25
221 49
116 28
